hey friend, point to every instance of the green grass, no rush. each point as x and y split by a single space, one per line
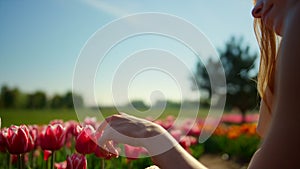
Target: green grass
44 116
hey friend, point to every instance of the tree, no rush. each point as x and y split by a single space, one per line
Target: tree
70 99
37 100
78 100
139 105
56 102
238 65
8 97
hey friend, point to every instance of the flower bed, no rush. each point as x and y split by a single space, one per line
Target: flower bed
72 145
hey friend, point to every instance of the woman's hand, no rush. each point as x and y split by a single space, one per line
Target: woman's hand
127 129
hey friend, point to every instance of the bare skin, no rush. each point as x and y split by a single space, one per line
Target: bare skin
281 146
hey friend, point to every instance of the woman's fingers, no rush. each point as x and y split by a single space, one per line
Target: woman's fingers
110 133
112 149
122 129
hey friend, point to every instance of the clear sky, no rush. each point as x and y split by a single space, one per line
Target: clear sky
41 40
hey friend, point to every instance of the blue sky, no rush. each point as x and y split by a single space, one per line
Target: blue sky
41 40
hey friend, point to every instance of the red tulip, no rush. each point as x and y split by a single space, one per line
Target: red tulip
86 140
2 142
17 139
102 153
53 137
76 161
47 154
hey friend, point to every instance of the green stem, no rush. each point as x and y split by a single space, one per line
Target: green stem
102 163
23 160
130 165
20 166
31 159
52 159
8 160
46 164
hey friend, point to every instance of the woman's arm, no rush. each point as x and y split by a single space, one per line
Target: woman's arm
176 157
166 153
281 147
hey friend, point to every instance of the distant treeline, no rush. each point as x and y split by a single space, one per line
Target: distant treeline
15 98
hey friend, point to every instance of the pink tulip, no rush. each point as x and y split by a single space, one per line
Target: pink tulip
70 127
61 165
176 134
33 131
191 127
86 140
133 153
52 137
166 124
56 121
76 161
107 152
187 141
194 131
90 121
232 118
17 139
250 118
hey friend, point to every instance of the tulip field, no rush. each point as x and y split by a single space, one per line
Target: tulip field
69 144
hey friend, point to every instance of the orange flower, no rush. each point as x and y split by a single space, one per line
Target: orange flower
249 129
234 132
221 130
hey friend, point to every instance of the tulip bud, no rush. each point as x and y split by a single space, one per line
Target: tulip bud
17 139
86 140
52 137
76 161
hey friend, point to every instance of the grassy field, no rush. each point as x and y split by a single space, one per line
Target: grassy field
24 116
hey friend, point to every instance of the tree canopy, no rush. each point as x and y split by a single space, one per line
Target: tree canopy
239 67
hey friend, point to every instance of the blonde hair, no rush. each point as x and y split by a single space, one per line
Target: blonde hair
268 44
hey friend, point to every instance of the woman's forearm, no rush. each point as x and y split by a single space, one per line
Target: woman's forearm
167 153
177 157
